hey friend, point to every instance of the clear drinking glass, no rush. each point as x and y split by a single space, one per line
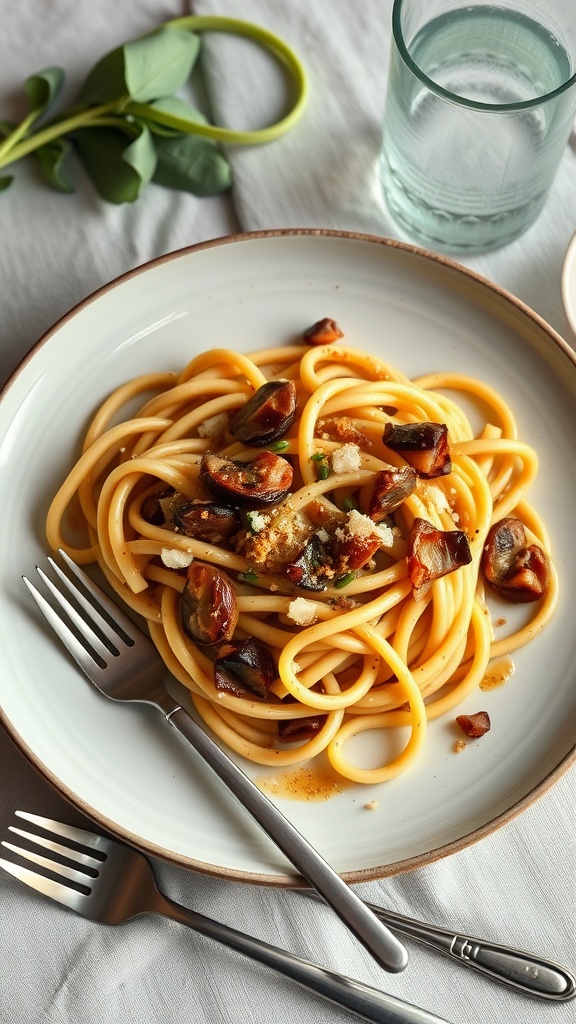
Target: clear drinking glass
481 100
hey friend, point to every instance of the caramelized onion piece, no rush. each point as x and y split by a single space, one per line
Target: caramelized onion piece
323 332
474 725
346 549
342 429
160 508
208 605
207 521
517 572
285 533
245 666
423 445
268 415
151 509
433 553
264 480
293 729
308 569
391 488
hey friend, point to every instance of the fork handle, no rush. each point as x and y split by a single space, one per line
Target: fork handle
366 1002
372 933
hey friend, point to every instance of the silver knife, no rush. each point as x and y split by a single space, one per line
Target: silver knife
533 975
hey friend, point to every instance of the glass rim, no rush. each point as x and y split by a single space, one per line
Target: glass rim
454 97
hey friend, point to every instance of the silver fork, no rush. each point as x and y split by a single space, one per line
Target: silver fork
138 675
113 883
128 667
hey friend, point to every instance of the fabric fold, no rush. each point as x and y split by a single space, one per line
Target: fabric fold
325 173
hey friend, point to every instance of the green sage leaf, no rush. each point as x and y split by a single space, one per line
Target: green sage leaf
155 65
106 82
43 88
52 158
118 171
191 164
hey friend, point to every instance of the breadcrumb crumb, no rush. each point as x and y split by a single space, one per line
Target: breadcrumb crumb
346 459
302 612
173 558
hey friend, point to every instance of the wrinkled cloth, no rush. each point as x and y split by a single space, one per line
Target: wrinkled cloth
515 885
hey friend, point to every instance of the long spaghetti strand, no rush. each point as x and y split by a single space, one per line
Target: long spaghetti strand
373 653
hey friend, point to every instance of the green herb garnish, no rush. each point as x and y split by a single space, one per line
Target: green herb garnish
247 577
279 446
129 127
322 465
349 504
345 580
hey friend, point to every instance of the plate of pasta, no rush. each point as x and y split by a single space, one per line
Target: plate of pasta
331 475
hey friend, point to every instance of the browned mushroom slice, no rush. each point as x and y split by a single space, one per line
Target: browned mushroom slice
292 730
391 488
208 605
268 415
474 725
433 553
323 332
517 572
207 521
248 665
264 480
423 445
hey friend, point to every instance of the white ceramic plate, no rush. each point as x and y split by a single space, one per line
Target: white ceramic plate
120 763
569 283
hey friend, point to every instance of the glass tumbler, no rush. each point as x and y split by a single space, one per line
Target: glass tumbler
480 103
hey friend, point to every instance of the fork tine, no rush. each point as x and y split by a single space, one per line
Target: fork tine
98 844
80 858
78 876
119 618
82 625
78 650
112 631
48 886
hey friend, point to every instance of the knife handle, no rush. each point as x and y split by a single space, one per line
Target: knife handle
527 972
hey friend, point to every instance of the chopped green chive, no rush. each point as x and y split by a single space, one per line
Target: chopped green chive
345 580
279 446
247 577
349 503
322 465
250 522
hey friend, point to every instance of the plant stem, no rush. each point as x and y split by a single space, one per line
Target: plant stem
55 129
19 132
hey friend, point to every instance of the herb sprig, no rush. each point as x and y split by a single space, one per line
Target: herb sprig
129 126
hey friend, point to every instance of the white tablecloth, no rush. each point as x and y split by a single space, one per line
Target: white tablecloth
518 884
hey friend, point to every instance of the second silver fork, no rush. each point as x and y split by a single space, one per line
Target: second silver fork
112 883
135 674
125 666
